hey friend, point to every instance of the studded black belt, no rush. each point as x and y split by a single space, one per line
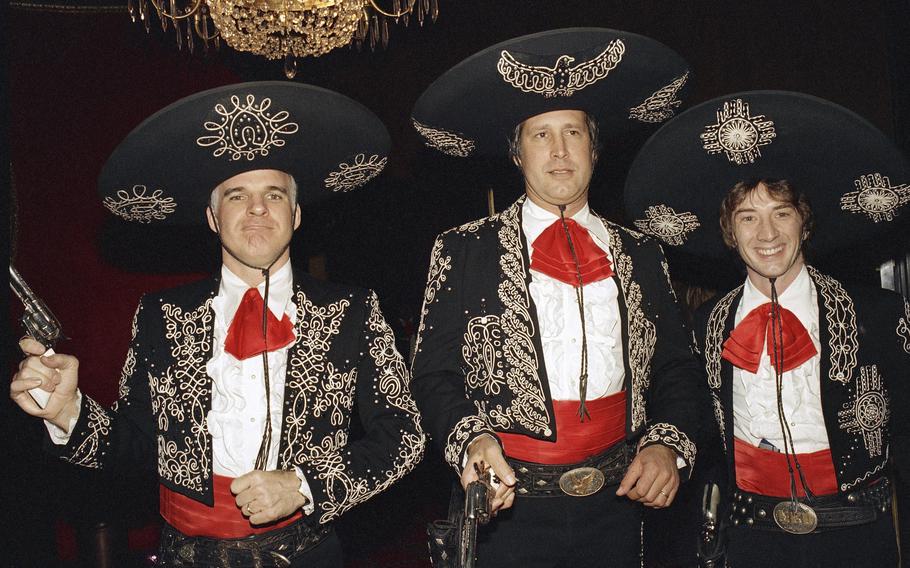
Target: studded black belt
275 548
859 507
577 479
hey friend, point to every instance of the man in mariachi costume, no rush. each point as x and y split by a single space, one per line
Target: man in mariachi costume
507 372
808 375
239 390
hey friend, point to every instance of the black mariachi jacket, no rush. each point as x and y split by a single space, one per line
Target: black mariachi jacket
344 353
478 364
864 374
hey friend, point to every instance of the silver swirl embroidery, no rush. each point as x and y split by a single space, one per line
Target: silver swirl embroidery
666 224
562 79
456 444
641 331
661 104
876 198
528 405
868 474
98 425
356 174
129 366
343 489
714 336
719 418
182 394
307 365
841 317
140 205
672 437
903 327
737 134
247 130
445 141
482 353
436 277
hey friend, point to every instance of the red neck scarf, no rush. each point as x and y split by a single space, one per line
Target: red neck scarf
744 346
245 338
553 257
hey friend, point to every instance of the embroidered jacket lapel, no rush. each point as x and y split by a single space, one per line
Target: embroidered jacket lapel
533 404
718 370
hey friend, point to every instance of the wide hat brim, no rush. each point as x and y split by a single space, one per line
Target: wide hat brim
856 179
165 170
623 79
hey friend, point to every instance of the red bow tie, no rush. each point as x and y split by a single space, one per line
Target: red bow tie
744 346
244 338
553 257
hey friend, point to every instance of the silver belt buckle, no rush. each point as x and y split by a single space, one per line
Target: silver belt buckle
581 481
795 517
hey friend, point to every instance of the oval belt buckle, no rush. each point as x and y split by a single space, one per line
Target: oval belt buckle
581 481
795 518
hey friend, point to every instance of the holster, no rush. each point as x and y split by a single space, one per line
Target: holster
443 535
711 542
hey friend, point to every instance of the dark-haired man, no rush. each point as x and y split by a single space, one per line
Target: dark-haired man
807 374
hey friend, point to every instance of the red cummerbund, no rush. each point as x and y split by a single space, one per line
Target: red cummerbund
575 440
765 471
224 520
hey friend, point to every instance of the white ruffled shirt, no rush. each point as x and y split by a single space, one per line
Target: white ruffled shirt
755 416
236 420
559 321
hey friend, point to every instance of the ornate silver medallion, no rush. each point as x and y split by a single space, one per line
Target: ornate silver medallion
666 224
876 197
737 133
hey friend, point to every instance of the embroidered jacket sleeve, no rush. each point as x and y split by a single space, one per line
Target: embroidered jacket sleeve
675 392
897 377
439 379
342 473
124 435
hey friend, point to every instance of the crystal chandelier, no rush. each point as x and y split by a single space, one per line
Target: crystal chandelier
279 29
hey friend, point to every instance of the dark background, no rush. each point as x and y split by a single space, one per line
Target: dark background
77 81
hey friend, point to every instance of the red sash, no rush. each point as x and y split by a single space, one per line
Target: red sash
765 471
575 440
224 520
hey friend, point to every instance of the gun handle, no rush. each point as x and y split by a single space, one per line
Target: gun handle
40 395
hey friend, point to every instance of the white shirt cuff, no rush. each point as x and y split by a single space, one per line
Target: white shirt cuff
304 489
58 435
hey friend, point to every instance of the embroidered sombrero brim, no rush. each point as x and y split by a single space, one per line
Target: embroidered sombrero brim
623 79
165 170
856 179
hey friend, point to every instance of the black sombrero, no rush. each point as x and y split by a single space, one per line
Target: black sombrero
166 168
622 79
856 179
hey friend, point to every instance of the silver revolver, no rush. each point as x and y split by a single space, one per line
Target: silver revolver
39 322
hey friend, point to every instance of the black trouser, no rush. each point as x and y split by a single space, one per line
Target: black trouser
601 530
864 546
